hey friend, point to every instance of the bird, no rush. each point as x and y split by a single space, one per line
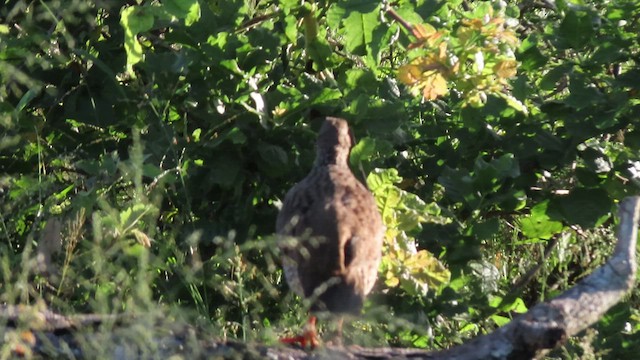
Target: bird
330 233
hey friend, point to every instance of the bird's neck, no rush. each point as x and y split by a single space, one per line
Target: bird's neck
332 156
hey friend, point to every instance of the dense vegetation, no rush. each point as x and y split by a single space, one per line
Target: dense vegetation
146 145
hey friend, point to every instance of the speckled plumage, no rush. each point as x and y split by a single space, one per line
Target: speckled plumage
330 229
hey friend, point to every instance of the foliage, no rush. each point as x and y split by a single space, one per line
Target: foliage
145 146
477 57
403 264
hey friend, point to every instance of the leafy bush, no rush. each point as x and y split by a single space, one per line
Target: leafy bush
145 148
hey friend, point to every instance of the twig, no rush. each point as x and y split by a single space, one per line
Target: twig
530 274
393 14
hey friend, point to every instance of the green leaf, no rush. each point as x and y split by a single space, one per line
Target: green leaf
408 12
500 320
316 44
585 207
485 229
291 28
379 179
224 170
488 174
334 16
576 29
360 80
487 274
344 8
538 224
506 166
327 95
514 103
183 9
358 30
274 158
583 94
384 117
514 200
515 304
551 78
403 264
425 271
363 150
236 136
357 22
596 160
134 20
458 184
135 250
27 98
320 52
130 216
483 9
530 55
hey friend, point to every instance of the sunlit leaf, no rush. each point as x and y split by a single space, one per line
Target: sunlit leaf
433 85
403 264
506 68
184 9
500 320
538 224
134 20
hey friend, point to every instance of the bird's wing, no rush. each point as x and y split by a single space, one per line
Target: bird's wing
360 235
307 227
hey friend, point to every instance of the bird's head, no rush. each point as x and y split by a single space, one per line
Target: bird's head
334 142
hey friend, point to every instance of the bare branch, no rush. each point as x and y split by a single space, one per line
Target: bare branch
548 324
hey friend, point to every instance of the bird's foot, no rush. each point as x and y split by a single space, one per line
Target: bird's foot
335 342
308 338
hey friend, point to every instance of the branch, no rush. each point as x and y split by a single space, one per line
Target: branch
399 19
549 324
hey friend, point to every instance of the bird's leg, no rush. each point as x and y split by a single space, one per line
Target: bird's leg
310 334
308 337
336 329
338 338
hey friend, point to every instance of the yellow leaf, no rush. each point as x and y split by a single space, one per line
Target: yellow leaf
496 21
455 69
505 68
391 280
476 98
142 238
420 260
422 32
442 52
509 37
425 75
475 24
433 85
409 74
464 34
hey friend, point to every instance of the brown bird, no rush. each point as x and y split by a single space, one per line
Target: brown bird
330 232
